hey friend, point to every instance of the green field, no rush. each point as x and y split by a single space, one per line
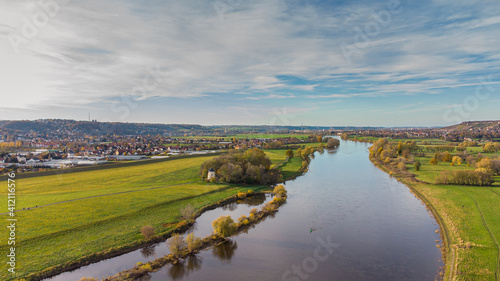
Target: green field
250 136
87 212
471 219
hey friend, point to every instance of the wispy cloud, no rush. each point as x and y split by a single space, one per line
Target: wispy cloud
94 52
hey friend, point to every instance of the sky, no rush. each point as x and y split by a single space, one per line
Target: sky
262 62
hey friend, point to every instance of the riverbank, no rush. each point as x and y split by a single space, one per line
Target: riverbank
180 227
410 182
142 269
100 230
469 226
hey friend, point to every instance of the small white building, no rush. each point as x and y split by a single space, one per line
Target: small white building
211 174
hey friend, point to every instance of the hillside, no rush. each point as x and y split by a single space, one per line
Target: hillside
474 126
60 126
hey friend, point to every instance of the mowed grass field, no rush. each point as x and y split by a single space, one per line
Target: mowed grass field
471 215
83 213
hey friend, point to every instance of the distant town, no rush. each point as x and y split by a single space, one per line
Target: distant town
30 146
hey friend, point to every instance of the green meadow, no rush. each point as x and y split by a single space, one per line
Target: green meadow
68 216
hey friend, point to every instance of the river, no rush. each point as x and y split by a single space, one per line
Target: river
344 219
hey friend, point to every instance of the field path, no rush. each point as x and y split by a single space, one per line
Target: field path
489 231
102 195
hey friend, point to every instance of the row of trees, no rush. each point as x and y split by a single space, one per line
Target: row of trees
466 177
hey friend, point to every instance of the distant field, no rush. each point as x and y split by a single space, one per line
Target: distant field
432 141
106 208
250 136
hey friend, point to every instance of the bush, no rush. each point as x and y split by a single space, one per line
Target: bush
268 207
332 143
402 166
491 147
277 200
241 219
182 224
493 166
187 212
148 231
433 161
88 279
478 177
280 190
175 244
242 195
224 226
457 160
417 165
251 217
250 192
193 242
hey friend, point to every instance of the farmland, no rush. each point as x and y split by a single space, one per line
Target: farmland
64 217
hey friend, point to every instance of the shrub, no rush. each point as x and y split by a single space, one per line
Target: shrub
224 226
268 207
280 190
251 217
492 166
241 218
245 222
402 166
491 147
457 160
447 157
471 160
250 192
88 279
277 200
182 224
433 161
147 267
193 242
417 165
241 195
148 231
187 212
254 211
175 244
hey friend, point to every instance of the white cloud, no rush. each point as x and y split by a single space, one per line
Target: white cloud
96 51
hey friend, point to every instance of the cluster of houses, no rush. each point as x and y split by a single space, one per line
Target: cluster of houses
41 153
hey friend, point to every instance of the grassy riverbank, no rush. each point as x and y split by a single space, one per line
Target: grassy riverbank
468 216
73 218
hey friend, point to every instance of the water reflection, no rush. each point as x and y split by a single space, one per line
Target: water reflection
230 207
183 268
225 251
254 200
148 251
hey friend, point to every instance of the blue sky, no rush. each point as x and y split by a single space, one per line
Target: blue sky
264 62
